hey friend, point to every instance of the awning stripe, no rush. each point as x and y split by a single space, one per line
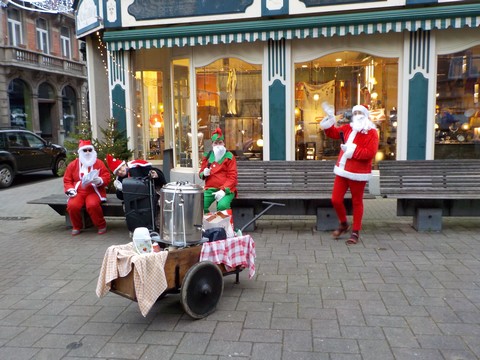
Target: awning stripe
159 40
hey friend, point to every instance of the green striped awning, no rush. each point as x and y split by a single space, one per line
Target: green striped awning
429 18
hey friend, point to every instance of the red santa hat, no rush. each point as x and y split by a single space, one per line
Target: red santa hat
138 163
362 109
217 135
84 144
114 164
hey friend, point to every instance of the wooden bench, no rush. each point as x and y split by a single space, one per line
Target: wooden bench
305 187
430 189
58 202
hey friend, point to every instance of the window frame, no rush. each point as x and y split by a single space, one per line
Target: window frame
43 44
65 43
14 28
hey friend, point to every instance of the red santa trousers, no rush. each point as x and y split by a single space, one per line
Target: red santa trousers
340 187
93 204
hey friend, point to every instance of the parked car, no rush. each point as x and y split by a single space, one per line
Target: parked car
22 151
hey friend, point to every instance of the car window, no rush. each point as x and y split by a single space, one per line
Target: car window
3 144
33 141
14 140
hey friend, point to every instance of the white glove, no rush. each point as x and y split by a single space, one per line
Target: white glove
71 193
348 149
327 122
97 181
206 172
219 195
118 185
328 109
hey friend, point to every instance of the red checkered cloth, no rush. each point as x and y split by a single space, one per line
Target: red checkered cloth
232 252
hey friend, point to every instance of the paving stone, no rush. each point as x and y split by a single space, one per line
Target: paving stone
229 348
122 351
193 343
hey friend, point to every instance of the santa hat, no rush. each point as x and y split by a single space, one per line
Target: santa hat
114 164
362 109
84 144
138 163
217 135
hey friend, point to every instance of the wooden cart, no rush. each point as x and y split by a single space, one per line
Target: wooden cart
200 283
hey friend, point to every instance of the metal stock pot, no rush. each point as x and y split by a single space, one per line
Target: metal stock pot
181 213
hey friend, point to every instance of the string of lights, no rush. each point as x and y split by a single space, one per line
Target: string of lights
107 55
45 6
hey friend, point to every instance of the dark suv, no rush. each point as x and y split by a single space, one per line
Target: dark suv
22 151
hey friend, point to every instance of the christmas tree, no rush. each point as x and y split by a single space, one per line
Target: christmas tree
114 142
83 132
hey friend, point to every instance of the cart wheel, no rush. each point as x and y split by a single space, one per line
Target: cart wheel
201 289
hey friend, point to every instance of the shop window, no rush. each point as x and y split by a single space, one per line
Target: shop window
69 107
150 115
457 118
182 126
229 96
46 109
19 96
344 79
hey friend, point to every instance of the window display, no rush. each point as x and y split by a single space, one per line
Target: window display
229 96
150 115
457 115
343 80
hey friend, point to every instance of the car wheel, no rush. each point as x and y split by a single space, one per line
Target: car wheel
60 164
6 176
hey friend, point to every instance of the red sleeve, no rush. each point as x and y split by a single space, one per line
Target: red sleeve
68 177
103 172
231 176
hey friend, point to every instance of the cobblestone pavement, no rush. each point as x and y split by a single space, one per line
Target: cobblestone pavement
399 294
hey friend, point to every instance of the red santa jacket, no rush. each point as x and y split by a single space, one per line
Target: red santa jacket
359 167
223 174
72 178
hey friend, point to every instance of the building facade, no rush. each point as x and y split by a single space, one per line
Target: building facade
261 70
43 77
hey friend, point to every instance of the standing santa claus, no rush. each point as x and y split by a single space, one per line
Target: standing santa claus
85 182
353 167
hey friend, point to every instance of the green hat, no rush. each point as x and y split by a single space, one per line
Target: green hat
217 135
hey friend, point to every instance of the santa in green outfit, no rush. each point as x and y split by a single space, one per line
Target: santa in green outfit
219 170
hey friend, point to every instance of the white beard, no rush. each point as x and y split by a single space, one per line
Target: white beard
87 158
219 151
359 122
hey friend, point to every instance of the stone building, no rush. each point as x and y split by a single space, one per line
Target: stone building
43 76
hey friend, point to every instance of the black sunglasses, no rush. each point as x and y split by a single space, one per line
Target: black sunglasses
87 150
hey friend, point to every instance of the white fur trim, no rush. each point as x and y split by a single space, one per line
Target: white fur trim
327 122
118 168
352 176
85 147
362 109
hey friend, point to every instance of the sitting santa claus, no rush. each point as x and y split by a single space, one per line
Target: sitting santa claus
85 182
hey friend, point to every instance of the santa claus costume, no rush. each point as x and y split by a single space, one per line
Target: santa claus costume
85 181
353 167
135 168
219 170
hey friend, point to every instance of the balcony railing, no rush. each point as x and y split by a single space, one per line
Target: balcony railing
14 56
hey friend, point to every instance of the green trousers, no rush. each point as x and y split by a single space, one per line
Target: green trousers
224 203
